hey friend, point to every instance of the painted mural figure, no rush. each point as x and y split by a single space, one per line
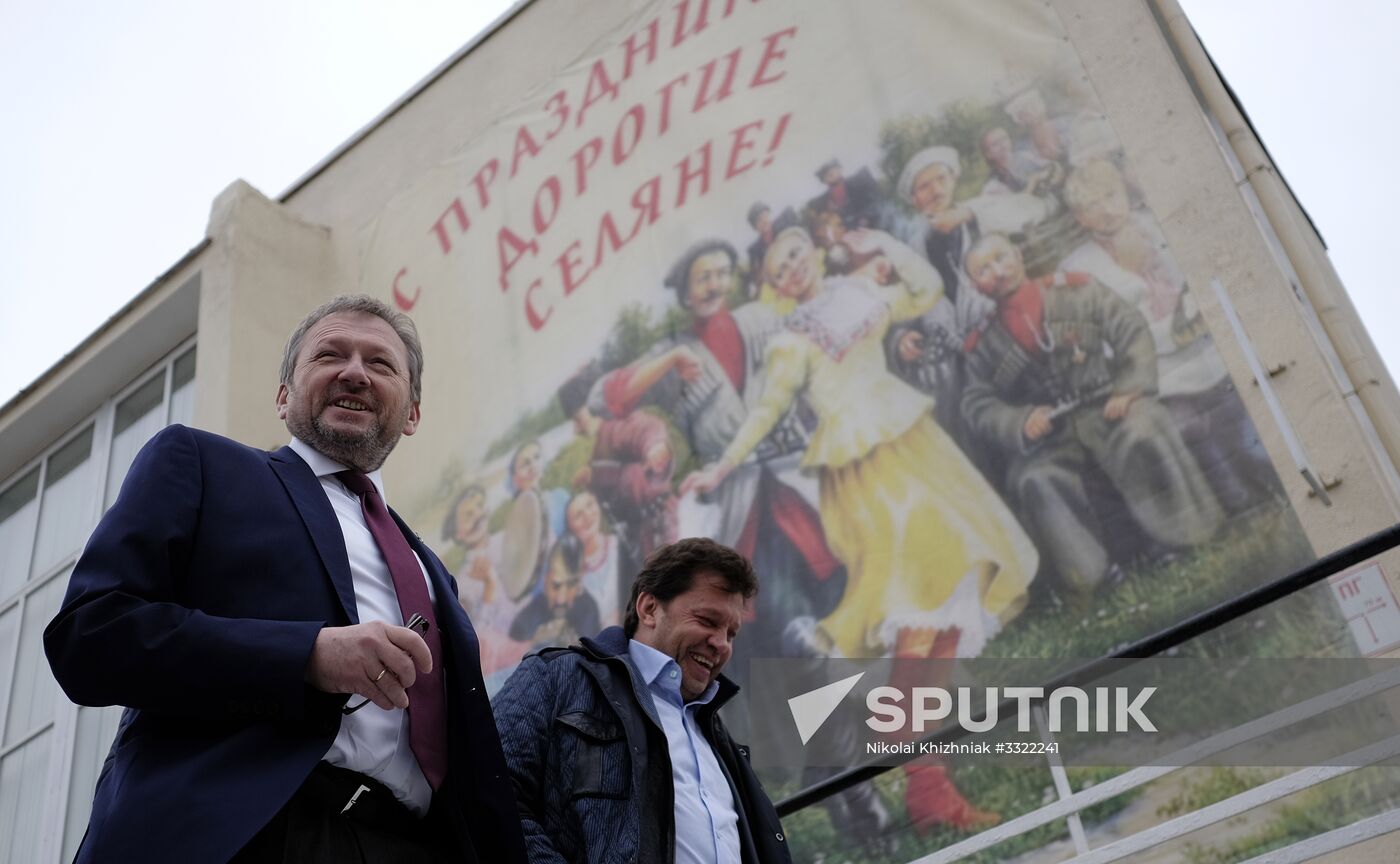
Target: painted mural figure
630 468
760 219
928 183
533 518
479 586
1127 252
926 541
926 351
707 380
561 611
855 200
1062 378
604 569
1016 169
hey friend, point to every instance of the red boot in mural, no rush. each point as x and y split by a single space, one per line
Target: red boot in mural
933 800
930 795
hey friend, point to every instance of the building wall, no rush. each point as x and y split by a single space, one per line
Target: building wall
268 262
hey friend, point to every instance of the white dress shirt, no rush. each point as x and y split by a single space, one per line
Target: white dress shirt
372 741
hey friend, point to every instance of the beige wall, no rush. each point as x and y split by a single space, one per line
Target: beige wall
268 263
1130 65
1190 187
265 270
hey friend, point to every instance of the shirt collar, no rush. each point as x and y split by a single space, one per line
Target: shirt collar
322 465
653 666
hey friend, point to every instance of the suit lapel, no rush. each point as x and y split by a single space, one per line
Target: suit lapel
320 520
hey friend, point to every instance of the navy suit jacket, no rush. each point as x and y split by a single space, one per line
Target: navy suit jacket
196 604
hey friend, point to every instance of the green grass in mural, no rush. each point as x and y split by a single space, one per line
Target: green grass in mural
1265 546
1152 598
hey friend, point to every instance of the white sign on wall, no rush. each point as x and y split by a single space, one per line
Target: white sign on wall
1369 606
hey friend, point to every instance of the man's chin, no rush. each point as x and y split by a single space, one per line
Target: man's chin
360 448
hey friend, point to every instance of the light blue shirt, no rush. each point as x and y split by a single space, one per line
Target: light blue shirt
707 824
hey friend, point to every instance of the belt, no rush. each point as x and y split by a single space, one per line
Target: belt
360 799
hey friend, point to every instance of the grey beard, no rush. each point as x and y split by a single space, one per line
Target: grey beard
365 451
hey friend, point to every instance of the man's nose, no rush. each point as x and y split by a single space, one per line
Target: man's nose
354 371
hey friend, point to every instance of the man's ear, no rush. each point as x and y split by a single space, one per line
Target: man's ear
647 605
411 424
282 394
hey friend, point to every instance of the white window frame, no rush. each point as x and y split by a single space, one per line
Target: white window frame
64 724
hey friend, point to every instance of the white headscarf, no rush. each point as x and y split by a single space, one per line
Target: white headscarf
940 155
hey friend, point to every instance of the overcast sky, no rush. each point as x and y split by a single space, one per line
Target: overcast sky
124 120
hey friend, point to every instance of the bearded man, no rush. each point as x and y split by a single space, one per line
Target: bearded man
234 599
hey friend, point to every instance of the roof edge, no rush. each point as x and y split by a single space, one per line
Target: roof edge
92 338
398 104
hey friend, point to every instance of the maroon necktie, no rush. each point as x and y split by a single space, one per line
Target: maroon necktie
427 713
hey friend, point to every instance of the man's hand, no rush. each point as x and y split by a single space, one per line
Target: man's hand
686 363
658 457
1117 406
1038 424
704 481
483 571
349 659
950 219
911 346
867 241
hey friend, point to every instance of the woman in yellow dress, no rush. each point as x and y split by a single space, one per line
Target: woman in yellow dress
928 545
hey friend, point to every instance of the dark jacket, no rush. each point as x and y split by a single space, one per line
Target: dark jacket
196 604
591 767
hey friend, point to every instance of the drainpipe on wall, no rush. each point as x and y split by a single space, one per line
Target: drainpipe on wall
1300 255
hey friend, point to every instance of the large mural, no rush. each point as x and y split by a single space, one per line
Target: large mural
868 292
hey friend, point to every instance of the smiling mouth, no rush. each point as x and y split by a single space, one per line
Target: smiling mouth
704 662
350 404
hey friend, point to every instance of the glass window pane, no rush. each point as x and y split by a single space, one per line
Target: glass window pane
182 390
34 693
65 514
23 778
96 729
138 417
9 625
19 508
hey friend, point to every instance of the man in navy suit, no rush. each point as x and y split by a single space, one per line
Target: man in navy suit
234 599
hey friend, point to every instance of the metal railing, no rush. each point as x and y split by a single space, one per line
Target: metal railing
1071 804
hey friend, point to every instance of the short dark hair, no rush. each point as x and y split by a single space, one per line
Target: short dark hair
671 570
678 278
757 210
401 323
568 549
